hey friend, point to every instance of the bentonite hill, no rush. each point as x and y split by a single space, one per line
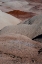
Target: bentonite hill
20 31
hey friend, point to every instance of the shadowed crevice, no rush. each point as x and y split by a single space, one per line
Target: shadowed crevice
40 51
38 38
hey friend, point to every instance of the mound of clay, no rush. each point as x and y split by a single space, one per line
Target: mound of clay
23 29
35 20
28 30
6 19
20 49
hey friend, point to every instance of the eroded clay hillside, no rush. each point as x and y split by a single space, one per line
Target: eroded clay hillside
28 8
20 32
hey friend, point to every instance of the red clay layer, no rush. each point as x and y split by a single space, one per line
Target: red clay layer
21 14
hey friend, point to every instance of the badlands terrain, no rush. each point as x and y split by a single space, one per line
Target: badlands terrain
20 31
